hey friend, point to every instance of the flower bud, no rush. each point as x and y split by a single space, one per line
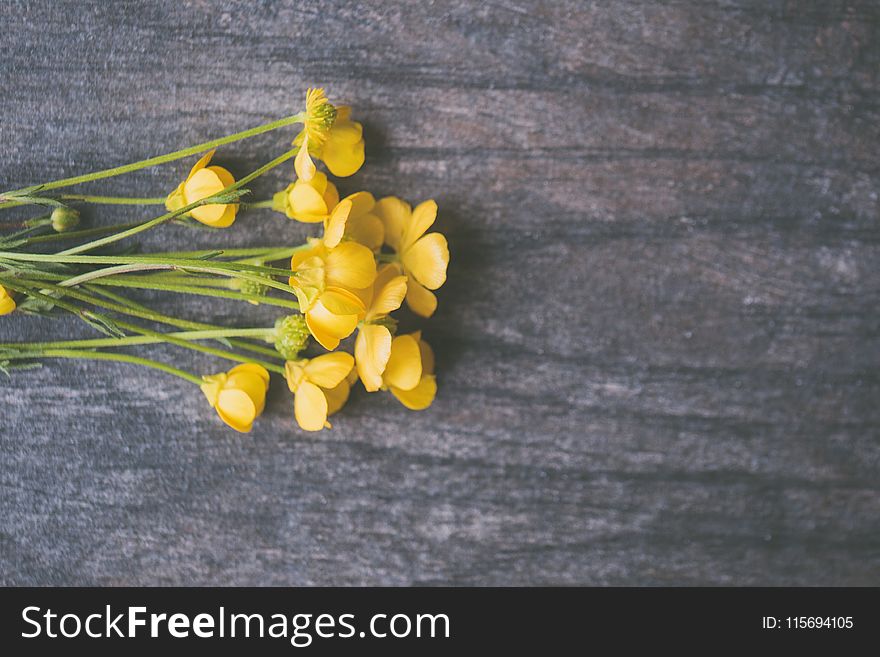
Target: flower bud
64 219
291 336
253 287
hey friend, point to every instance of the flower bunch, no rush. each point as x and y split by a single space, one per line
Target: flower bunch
370 257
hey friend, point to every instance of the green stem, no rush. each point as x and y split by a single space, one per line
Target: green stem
145 281
161 159
85 315
133 341
103 355
76 234
258 205
113 200
171 215
198 290
125 306
213 351
268 254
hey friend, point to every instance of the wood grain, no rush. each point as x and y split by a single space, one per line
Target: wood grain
658 346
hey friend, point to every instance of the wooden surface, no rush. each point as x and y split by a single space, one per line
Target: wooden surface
659 343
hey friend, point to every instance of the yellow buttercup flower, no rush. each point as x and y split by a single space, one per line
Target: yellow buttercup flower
238 395
204 181
362 225
320 116
424 257
331 136
326 276
409 373
7 303
309 201
372 348
320 387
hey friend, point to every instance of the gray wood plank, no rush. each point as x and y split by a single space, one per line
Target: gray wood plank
657 348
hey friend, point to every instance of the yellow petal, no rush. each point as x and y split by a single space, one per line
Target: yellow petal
7 303
202 162
388 298
340 301
305 296
237 409
227 218
294 373
310 273
328 328
366 229
310 407
252 368
372 349
202 184
345 131
303 165
322 337
336 397
211 387
331 194
420 300
226 178
306 203
361 203
251 385
328 370
404 367
350 265
316 250
427 260
335 228
395 215
423 217
420 397
343 159
427 357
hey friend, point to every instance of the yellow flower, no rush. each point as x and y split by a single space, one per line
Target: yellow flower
424 257
372 348
363 226
331 136
204 181
326 277
409 373
7 303
320 116
319 386
309 201
238 395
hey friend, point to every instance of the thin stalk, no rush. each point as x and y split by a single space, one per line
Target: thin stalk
200 290
127 307
112 272
76 234
258 205
213 351
137 340
103 355
171 215
267 253
161 159
113 200
87 316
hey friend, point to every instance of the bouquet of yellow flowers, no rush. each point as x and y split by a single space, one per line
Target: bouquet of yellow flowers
371 257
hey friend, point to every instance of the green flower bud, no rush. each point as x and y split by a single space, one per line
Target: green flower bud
291 336
64 219
253 287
